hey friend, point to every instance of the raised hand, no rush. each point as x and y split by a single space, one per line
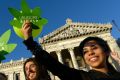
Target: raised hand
115 56
26 29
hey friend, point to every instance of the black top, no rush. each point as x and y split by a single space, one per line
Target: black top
63 71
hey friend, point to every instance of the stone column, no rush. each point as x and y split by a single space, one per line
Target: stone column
60 60
73 58
57 78
59 56
11 76
51 75
22 75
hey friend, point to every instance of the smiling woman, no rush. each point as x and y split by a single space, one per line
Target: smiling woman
35 71
95 52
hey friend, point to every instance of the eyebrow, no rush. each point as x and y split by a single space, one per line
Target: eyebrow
90 44
84 49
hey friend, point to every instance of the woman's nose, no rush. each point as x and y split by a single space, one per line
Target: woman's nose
28 70
91 52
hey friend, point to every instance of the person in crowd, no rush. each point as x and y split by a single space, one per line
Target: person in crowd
3 76
94 50
35 71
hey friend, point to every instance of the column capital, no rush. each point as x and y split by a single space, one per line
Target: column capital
70 49
58 51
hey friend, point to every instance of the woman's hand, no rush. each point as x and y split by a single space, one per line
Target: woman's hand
115 56
26 29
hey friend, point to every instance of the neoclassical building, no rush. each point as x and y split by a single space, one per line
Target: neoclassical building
63 44
13 69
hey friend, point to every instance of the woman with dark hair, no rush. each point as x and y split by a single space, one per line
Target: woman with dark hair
94 50
3 76
35 71
95 42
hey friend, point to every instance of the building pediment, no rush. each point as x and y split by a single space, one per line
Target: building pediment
75 29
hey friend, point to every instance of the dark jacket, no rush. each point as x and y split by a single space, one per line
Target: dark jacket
63 71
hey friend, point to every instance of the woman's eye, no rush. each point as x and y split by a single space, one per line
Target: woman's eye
26 69
94 47
32 66
85 52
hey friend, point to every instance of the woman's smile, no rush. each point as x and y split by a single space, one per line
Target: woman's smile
94 59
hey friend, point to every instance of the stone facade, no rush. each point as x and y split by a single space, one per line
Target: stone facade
13 69
63 44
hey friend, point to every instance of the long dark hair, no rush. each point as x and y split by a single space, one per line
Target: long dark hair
100 42
3 76
41 70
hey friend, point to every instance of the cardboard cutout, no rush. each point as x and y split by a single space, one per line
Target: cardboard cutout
4 47
27 14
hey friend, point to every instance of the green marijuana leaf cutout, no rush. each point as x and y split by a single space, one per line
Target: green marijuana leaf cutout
4 47
27 14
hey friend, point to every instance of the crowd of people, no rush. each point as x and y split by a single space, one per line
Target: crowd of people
94 50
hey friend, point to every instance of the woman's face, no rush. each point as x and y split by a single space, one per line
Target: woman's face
94 55
31 70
